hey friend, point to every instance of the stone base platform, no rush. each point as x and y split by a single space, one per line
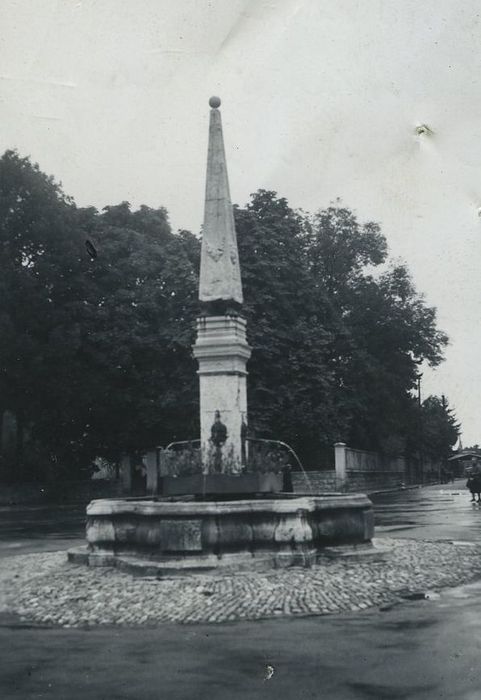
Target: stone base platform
137 566
174 537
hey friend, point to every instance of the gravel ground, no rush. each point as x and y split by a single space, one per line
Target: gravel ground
45 588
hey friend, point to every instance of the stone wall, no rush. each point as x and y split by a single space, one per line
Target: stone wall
367 482
320 481
64 492
356 481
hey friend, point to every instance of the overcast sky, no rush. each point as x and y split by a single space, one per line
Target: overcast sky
320 99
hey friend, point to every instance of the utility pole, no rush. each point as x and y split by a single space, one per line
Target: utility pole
421 450
444 404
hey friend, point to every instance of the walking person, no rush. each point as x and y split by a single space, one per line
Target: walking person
474 482
471 485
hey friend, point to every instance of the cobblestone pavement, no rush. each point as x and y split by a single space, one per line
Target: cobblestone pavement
45 588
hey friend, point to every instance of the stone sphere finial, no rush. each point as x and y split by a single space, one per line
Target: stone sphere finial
214 102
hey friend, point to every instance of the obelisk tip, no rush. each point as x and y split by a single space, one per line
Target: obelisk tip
214 102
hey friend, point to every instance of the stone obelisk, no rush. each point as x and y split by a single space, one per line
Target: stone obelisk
221 347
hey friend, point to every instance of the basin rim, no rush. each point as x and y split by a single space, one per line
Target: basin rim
161 508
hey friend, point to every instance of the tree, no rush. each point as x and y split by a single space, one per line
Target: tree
440 428
34 218
141 331
337 345
94 349
381 327
289 384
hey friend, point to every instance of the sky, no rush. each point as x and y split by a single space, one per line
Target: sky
321 99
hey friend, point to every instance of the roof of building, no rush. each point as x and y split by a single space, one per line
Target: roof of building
468 454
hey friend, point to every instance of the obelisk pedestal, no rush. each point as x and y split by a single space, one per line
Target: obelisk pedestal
222 352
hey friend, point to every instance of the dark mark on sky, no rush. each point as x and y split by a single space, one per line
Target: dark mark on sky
91 249
424 129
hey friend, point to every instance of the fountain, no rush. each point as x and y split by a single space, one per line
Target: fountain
226 512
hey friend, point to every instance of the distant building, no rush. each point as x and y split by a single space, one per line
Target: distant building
462 461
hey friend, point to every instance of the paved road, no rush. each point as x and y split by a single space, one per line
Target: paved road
26 529
420 650
442 512
417 650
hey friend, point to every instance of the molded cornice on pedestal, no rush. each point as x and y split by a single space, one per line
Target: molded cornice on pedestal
221 346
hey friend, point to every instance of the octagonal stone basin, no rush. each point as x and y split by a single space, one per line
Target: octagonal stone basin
244 534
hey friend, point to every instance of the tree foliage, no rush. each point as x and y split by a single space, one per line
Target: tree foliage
337 343
97 319
440 428
95 351
290 382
